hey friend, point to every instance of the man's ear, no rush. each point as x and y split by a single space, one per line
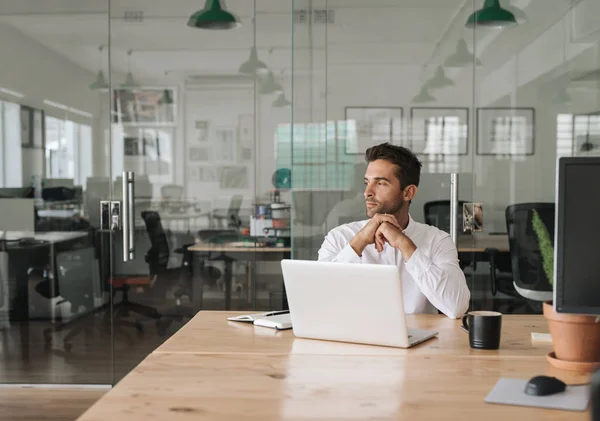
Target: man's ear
410 192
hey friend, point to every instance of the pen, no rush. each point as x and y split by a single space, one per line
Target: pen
275 313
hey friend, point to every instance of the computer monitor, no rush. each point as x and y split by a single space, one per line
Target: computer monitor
577 236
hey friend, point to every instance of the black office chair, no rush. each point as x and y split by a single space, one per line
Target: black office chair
530 281
73 281
437 214
160 280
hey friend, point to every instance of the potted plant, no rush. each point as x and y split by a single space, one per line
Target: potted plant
575 338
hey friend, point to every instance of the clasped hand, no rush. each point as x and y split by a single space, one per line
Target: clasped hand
380 229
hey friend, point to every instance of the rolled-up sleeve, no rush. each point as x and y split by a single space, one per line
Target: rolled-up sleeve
336 249
440 278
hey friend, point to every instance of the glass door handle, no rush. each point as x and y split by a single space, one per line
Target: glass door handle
128 215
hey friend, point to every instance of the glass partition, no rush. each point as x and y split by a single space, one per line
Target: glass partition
536 97
54 168
495 102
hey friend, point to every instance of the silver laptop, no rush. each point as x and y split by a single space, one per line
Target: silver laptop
360 303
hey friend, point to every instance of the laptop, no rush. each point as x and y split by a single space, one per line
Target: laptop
345 302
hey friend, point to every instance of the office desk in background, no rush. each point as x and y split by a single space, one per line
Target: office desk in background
213 369
228 253
477 243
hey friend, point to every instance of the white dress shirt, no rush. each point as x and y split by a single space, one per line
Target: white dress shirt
431 278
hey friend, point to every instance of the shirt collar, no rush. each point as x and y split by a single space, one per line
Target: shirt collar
411 227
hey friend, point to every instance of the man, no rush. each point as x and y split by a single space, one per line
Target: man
425 255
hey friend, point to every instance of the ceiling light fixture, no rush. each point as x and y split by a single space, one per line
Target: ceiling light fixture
423 97
462 56
492 15
213 16
100 83
439 80
166 98
281 101
129 81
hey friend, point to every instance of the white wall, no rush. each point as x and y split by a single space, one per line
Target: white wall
40 74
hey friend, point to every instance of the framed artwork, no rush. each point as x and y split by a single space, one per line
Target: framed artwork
26 129
202 174
505 131
586 134
198 154
144 106
233 177
37 129
369 126
442 131
201 131
226 144
246 130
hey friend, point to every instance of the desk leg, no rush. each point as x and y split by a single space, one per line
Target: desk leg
197 282
228 282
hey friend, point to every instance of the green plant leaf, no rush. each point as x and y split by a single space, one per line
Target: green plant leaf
545 244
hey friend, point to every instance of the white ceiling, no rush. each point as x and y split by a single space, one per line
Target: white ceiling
375 32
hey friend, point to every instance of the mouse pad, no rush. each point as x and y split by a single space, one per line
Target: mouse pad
512 392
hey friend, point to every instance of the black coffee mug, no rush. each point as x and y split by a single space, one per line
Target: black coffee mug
484 329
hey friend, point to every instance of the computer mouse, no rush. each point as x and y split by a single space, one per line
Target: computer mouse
544 386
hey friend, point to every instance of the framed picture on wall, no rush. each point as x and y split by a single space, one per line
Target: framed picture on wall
369 126
226 144
144 106
586 134
26 129
37 129
505 131
246 130
443 131
201 131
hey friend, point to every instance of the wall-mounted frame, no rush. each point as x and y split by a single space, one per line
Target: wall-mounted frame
373 125
144 106
442 131
586 134
26 129
32 127
505 131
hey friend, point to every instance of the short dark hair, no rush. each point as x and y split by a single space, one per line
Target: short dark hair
409 166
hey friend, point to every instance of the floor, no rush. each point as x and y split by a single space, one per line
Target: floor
22 404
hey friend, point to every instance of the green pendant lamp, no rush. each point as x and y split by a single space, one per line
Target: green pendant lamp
100 84
462 56
213 16
439 80
270 86
281 101
166 98
253 66
129 81
492 15
423 97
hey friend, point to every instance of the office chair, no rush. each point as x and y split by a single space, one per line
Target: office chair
232 214
529 278
73 280
437 214
160 279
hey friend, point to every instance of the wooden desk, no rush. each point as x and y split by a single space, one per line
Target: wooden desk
477 243
253 377
210 332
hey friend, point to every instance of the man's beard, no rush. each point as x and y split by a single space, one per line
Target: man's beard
389 208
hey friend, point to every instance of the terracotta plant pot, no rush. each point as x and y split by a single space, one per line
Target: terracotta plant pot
574 337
